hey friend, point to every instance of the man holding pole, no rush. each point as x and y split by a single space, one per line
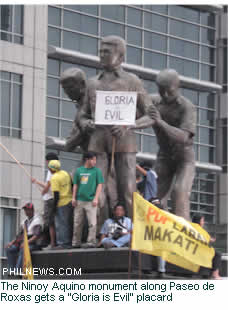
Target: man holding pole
49 213
118 142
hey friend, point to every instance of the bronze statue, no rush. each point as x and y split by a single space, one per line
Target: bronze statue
73 81
173 119
114 78
174 126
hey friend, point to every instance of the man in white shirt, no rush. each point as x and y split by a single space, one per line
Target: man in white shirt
115 231
49 212
15 248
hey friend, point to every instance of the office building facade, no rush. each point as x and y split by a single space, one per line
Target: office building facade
37 43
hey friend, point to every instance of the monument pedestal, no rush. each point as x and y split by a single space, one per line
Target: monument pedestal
108 264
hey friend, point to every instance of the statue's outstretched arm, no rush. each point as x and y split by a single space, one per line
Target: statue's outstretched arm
85 121
143 103
177 135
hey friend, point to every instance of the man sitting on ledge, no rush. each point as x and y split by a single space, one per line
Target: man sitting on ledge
15 248
115 231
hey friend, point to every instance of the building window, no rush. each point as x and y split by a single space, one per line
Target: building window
11 104
224 146
8 225
225 58
11 23
203 196
157 37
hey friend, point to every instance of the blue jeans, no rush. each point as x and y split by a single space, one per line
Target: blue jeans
63 225
122 241
15 255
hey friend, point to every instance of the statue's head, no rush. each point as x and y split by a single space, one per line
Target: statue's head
112 52
168 83
73 81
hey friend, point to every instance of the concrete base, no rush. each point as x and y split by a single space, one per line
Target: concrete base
104 264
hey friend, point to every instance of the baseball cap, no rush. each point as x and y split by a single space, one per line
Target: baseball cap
51 156
28 205
54 165
145 165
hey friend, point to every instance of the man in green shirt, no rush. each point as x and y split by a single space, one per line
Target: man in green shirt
88 181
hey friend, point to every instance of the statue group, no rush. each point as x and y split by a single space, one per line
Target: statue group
172 116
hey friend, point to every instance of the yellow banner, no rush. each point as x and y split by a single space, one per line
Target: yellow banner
27 262
176 240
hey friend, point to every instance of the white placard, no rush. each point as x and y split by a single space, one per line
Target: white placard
115 108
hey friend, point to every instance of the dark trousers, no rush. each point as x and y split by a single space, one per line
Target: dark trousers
15 255
216 262
64 225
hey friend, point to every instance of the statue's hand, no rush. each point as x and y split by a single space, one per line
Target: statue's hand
154 113
88 126
118 131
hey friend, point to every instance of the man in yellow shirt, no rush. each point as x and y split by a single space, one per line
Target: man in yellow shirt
61 186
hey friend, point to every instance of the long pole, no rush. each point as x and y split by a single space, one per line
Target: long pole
139 265
130 259
113 154
17 161
130 245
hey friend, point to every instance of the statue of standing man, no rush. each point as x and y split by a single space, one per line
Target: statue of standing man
114 78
